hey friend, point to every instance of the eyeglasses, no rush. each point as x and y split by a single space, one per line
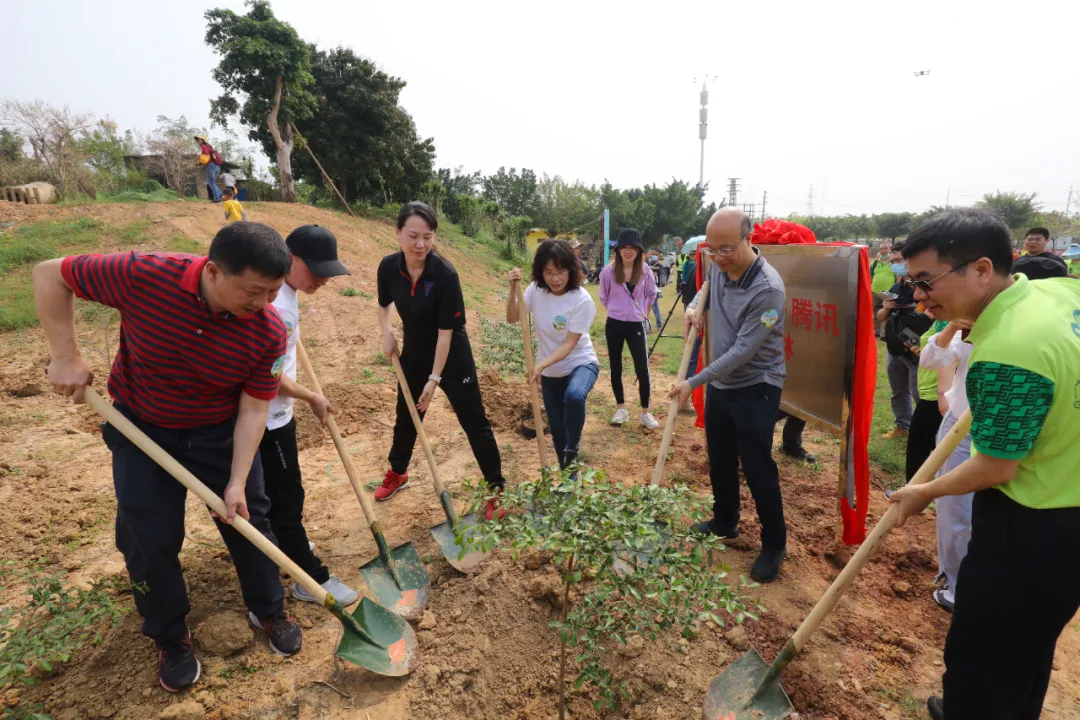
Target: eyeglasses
928 285
722 252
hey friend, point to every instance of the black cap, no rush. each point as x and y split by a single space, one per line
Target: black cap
1037 267
629 236
317 247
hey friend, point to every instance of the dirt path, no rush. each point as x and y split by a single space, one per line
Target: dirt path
489 654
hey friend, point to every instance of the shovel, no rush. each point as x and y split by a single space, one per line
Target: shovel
397 577
445 534
374 638
749 688
526 339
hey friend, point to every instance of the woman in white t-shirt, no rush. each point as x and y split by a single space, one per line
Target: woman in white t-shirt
563 312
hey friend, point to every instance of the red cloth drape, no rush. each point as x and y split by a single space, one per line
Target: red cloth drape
861 404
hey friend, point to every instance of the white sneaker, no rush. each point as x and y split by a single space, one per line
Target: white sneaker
344 594
621 417
648 421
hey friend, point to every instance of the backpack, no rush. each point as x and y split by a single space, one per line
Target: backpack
215 157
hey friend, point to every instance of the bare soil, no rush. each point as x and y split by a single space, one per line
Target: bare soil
486 648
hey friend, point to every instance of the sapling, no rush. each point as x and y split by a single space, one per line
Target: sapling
629 560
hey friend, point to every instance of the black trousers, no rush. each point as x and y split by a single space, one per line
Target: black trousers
462 389
793 430
284 487
739 429
617 333
922 435
150 523
1017 589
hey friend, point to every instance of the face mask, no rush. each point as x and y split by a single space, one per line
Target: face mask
899 268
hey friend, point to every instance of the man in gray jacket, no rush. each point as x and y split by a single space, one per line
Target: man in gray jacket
746 303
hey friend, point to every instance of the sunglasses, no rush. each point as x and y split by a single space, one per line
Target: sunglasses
928 285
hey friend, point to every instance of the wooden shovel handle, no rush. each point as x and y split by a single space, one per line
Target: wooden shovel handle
439 487
331 424
526 340
877 535
673 406
192 483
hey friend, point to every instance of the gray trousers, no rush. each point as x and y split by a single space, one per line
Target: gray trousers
903 374
953 511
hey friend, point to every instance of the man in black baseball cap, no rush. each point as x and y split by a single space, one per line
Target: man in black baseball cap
314 262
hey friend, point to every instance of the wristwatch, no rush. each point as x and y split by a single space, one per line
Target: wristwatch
436 378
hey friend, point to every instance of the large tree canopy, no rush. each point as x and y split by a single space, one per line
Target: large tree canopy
265 75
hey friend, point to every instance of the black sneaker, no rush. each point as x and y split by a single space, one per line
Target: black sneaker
767 565
177 665
936 707
705 527
799 453
286 638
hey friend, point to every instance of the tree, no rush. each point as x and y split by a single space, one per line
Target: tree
104 150
515 193
169 147
562 207
366 143
264 62
456 183
1016 209
677 206
52 133
893 225
626 210
432 192
11 145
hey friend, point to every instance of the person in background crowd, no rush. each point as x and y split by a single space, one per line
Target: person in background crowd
426 291
1025 517
314 262
903 328
947 352
576 246
656 307
792 444
228 181
567 366
666 263
881 279
627 291
234 211
213 167
746 301
1035 247
1040 267
926 418
1072 260
199 361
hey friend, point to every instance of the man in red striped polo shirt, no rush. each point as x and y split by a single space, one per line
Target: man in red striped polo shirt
199 360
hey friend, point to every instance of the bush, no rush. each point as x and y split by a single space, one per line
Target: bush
472 214
629 565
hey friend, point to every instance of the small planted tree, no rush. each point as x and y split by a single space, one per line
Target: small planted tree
632 570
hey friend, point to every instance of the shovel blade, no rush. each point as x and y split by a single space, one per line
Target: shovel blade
409 599
731 694
399 654
446 539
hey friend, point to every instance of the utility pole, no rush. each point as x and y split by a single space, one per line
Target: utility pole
607 235
733 191
948 192
1068 203
810 202
703 125
764 197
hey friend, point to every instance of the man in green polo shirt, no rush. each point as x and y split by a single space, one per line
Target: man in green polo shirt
1019 585
881 279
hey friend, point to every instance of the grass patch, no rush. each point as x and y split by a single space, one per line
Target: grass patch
889 455
134 232
347 292
502 345
182 243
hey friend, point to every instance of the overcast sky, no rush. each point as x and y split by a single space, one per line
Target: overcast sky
818 94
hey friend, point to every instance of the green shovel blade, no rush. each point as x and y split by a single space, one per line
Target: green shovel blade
734 694
455 554
410 597
377 639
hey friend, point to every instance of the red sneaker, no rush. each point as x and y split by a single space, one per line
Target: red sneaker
494 509
390 485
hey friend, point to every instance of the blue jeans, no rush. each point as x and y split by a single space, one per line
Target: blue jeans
692 369
656 311
212 170
564 400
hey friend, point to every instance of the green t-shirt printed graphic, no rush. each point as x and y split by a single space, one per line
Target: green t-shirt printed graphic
1008 407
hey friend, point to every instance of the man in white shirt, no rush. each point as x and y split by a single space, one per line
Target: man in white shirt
228 181
314 262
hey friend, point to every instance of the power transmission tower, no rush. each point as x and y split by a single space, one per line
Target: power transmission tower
733 191
810 202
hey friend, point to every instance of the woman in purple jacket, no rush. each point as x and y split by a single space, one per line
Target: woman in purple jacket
627 290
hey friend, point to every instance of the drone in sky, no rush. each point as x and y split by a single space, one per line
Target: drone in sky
920 73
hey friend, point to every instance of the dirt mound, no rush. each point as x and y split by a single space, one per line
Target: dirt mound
504 401
358 406
224 634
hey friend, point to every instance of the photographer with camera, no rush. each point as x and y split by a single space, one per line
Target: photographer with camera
904 327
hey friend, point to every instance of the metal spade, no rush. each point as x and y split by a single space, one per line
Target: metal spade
374 638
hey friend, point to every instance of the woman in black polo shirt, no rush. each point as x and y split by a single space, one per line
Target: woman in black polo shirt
425 289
